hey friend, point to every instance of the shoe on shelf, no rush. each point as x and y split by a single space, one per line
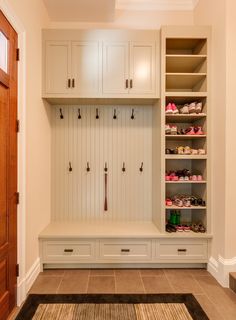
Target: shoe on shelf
194 178
179 228
180 150
201 152
199 107
173 130
190 131
194 151
186 228
178 202
169 109
184 109
186 202
199 177
169 202
174 108
198 131
167 177
167 129
187 150
192 107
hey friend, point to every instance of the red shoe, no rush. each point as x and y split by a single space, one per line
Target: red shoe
169 109
199 131
174 109
168 202
190 131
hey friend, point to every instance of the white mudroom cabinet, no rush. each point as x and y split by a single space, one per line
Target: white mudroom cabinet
108 91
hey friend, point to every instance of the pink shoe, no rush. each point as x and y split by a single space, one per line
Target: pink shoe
169 109
180 228
194 178
199 177
167 178
174 109
190 131
175 178
168 202
199 131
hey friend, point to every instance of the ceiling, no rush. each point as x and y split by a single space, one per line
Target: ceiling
104 10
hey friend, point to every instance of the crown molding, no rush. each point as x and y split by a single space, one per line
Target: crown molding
157 5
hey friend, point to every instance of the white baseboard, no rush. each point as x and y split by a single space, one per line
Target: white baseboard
25 284
221 268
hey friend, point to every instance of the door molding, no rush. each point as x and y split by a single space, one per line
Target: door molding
21 108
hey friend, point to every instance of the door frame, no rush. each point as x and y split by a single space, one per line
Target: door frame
21 153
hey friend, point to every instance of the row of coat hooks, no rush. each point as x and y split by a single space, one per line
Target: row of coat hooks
97 116
88 168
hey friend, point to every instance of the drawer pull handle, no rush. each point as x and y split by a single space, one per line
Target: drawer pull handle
182 250
68 250
125 250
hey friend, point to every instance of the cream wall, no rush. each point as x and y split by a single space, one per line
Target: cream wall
203 15
136 20
230 214
35 115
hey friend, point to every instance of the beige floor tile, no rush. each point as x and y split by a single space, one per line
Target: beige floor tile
156 284
102 272
209 308
186 272
152 272
101 284
129 283
184 284
76 272
53 272
46 284
129 272
74 284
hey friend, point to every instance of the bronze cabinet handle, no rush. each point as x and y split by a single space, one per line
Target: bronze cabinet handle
126 84
68 250
73 83
131 83
125 250
69 83
182 250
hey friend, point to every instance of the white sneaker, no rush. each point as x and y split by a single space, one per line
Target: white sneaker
199 107
192 107
184 109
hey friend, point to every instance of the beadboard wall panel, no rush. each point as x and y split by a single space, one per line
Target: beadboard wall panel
79 195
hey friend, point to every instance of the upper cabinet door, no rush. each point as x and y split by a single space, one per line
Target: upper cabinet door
85 68
115 67
142 68
57 68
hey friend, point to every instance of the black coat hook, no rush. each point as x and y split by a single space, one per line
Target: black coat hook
79 115
132 115
141 168
114 115
70 167
88 168
97 114
123 167
61 114
105 168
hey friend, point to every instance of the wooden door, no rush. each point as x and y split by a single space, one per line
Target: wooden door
8 167
142 68
85 68
58 67
115 67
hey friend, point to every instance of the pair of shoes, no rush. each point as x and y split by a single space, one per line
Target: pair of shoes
184 150
196 201
170 228
171 109
198 227
197 130
171 176
170 129
196 177
183 227
171 151
193 107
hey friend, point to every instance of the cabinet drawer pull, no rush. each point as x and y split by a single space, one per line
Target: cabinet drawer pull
73 83
182 250
69 83
68 250
125 250
126 84
131 84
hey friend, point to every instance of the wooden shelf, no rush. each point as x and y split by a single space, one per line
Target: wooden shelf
186 63
186 182
184 137
184 81
185 157
185 208
182 118
186 94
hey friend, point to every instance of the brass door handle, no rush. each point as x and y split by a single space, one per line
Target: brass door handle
182 250
125 250
68 250
69 83
131 83
73 83
126 84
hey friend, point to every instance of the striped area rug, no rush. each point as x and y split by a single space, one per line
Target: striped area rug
112 307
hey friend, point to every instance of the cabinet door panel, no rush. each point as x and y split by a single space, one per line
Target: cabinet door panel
58 59
142 68
85 67
115 67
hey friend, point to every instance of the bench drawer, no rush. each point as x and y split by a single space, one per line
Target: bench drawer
125 250
68 251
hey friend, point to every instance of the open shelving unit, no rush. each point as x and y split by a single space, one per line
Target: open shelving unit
185 79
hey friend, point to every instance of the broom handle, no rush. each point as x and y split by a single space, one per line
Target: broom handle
105 203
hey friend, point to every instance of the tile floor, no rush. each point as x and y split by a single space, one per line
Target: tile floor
219 303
